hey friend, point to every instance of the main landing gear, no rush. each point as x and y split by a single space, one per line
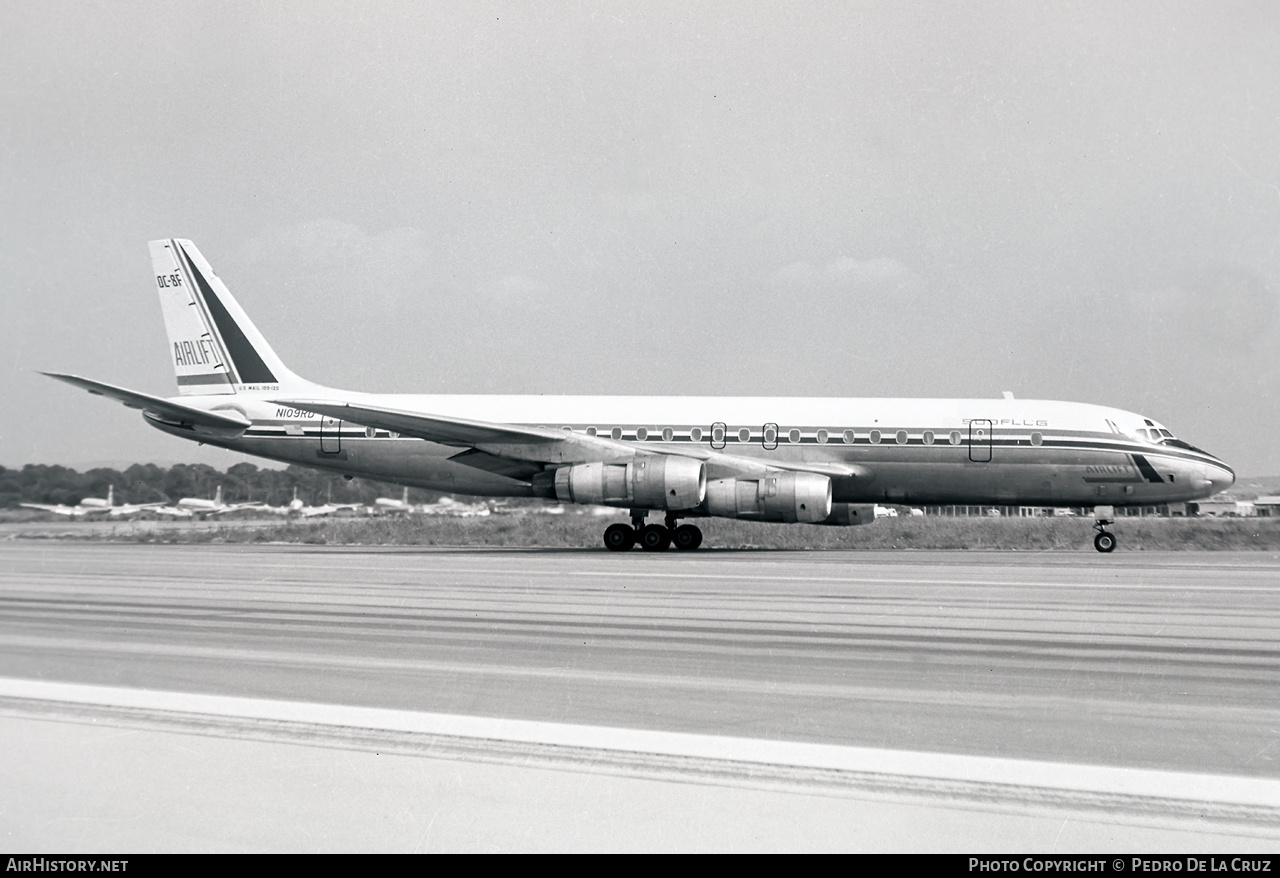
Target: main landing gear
652 537
1104 540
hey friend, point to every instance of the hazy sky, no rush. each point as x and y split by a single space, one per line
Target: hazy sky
1070 201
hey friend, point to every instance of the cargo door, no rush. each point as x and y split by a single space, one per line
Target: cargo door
330 435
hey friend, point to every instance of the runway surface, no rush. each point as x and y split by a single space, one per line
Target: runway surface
1167 662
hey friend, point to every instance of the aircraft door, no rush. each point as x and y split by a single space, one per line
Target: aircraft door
330 435
980 440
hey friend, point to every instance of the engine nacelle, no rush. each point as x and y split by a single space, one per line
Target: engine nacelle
790 497
660 481
849 514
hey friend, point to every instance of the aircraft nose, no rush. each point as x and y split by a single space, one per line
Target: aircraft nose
1221 477
1217 478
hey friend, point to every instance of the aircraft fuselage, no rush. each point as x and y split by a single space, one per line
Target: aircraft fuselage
916 451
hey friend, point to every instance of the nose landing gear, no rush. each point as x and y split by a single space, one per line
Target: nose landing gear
1104 541
652 537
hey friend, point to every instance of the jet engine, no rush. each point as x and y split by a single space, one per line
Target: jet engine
790 497
661 481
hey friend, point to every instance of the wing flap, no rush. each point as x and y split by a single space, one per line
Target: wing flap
520 470
226 424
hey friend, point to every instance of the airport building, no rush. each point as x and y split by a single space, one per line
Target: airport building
1267 507
1223 506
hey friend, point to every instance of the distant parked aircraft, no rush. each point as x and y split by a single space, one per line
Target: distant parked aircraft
202 507
294 506
95 506
451 507
328 509
297 508
388 504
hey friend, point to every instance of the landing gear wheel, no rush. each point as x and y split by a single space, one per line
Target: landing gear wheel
1105 541
687 537
619 537
655 538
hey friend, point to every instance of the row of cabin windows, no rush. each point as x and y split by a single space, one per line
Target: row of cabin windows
771 433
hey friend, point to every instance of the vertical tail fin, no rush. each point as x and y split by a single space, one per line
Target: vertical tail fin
217 497
216 348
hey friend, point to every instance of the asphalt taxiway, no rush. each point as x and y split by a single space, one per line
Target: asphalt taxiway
1133 662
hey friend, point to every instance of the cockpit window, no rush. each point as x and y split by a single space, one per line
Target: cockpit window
1155 435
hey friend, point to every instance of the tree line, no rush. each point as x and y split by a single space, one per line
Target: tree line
148 483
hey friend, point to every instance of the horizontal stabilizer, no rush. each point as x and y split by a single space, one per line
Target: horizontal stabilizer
223 424
433 428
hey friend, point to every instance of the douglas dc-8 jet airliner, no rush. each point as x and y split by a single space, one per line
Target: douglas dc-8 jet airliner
809 460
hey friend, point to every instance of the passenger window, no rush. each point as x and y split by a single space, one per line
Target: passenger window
793 436
1036 439
717 435
875 437
822 437
902 437
591 431
642 433
848 437
928 437
695 434
615 433
369 432
770 434
668 434
955 437
744 435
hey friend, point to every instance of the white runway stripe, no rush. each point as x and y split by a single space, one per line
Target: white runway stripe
1178 789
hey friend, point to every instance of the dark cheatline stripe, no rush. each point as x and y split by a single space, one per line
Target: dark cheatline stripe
219 378
1147 470
1054 444
250 366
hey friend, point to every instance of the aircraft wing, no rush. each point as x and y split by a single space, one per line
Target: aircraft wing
518 451
132 508
237 507
226 424
433 428
44 507
502 466
832 468
723 465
